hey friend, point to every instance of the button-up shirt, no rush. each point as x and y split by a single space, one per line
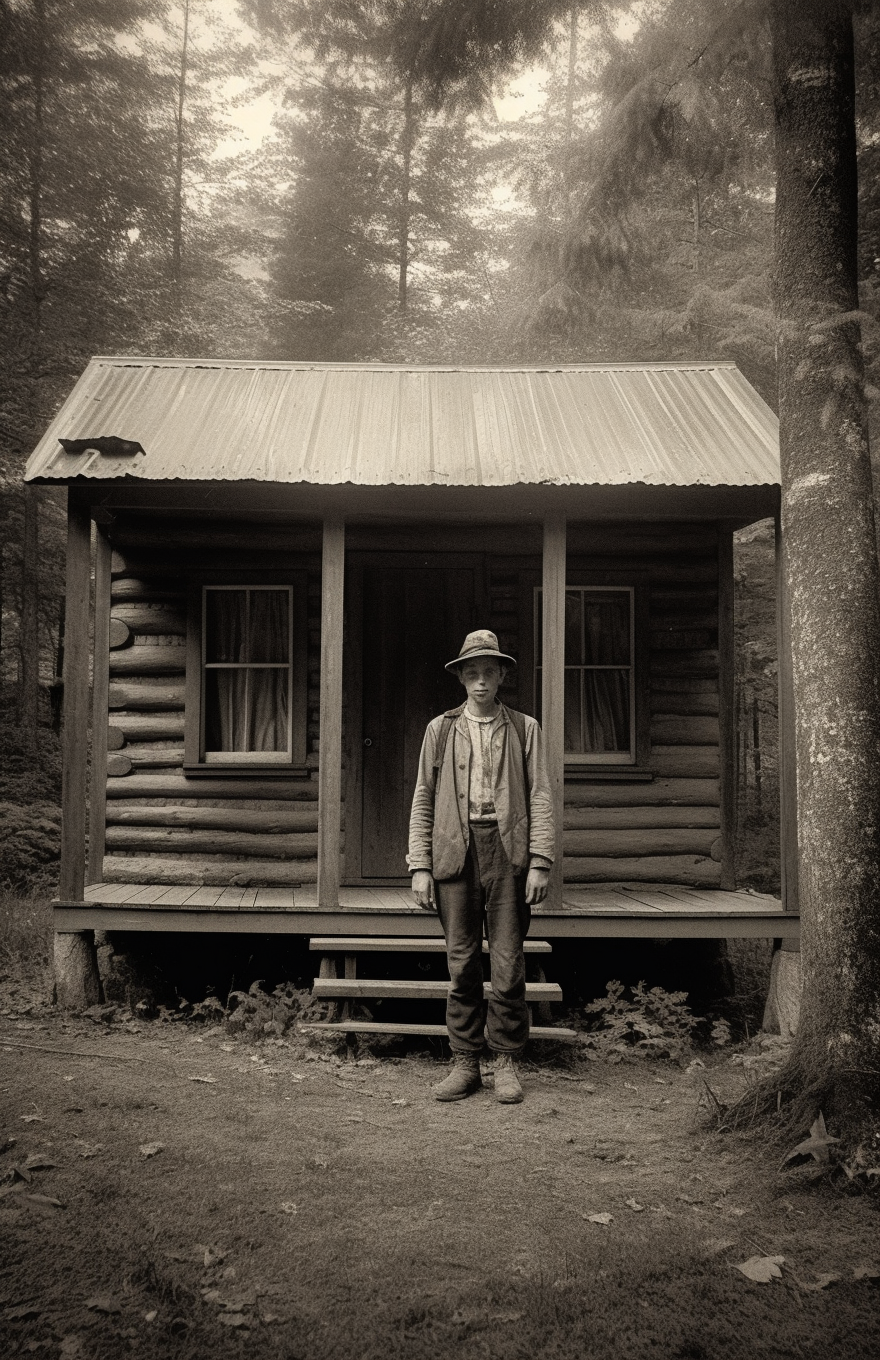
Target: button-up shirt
481 786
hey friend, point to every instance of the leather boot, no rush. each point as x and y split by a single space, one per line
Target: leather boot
463 1080
507 1088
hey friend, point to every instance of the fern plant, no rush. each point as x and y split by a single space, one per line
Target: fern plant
638 1023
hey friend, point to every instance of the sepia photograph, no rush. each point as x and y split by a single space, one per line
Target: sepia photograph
440 672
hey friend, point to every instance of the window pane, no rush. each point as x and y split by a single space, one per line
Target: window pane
246 710
269 627
225 718
225 613
268 717
574 652
606 628
573 737
606 711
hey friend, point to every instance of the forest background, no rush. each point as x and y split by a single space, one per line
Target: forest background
262 179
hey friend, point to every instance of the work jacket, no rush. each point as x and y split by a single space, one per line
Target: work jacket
439 833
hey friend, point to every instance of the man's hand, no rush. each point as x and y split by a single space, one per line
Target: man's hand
536 886
423 890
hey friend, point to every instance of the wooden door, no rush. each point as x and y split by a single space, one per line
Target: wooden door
413 618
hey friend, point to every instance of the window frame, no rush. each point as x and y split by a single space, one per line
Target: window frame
604 758
246 763
581 573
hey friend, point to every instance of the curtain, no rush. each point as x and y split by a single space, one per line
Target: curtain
246 708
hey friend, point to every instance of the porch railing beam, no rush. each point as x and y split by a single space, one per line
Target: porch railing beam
330 747
553 680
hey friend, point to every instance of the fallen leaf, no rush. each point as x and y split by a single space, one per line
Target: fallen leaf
817 1145
39 1163
233 1320
629 1086
354 1119
634 1205
44 1201
866 1273
208 1081
103 1303
287 1207
603 1219
33 1119
400 1101
152 1315
151 1149
22 1310
762 1269
821 1282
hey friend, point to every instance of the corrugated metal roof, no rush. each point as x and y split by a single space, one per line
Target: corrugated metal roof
377 425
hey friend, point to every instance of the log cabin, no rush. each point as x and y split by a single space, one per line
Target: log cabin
269 563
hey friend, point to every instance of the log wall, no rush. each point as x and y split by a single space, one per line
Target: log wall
253 831
161 827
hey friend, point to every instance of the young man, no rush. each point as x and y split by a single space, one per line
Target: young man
480 848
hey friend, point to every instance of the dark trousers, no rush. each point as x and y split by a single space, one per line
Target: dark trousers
489 891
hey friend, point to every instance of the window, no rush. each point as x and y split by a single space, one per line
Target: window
245 677
600 713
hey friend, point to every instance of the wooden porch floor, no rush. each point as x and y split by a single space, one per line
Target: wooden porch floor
601 910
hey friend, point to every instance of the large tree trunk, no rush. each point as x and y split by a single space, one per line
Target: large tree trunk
177 201
407 139
828 523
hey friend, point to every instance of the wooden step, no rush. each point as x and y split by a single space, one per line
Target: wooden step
339 989
565 1036
344 944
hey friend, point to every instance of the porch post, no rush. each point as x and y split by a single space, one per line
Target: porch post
553 680
100 710
74 735
76 968
782 1009
330 743
726 731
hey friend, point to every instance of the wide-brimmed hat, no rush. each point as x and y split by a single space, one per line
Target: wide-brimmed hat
480 643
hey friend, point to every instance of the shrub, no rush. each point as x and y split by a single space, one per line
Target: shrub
30 844
643 1024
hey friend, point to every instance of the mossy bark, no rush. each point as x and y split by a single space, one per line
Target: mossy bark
828 523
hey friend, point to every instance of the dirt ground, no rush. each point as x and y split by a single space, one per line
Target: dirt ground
183 1192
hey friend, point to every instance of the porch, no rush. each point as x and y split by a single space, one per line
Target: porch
647 911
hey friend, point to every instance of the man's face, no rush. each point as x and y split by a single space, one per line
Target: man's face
481 679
